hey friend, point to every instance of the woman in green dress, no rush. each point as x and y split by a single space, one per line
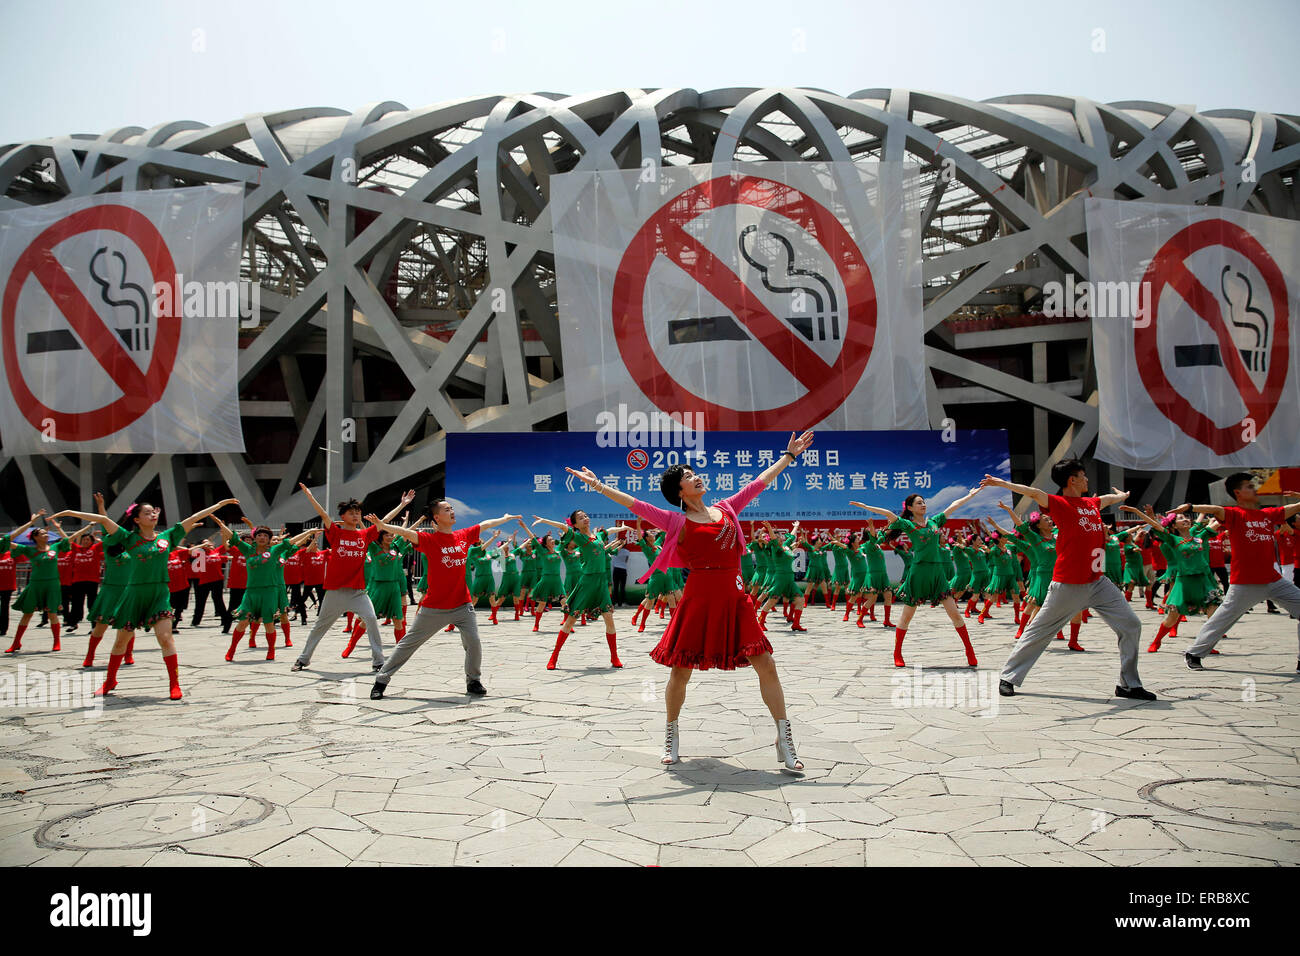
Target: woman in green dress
1185 546
146 599
1035 538
549 588
479 559
264 599
841 575
818 574
509 586
43 591
877 581
659 591
850 553
589 593
926 580
783 586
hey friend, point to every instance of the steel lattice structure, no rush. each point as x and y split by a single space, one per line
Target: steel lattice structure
405 256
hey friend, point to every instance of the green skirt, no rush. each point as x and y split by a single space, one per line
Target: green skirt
483 586
548 589
590 594
1193 592
658 586
784 586
263 604
386 596
924 584
1135 573
842 576
527 580
1117 577
141 605
979 581
509 585
42 596
1000 584
1037 588
878 580
857 581
817 572
101 609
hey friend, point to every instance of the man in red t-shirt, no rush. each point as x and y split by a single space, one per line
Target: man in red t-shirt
1078 580
178 582
208 567
446 599
345 575
313 571
293 578
87 559
1254 575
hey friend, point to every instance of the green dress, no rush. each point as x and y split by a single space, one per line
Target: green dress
1041 553
529 563
384 577
264 598
960 580
1135 572
1002 580
926 581
857 567
1115 559
819 571
572 565
483 584
877 572
43 591
146 598
783 583
841 576
549 588
117 574
589 593
1194 587
762 565
980 572
658 585
509 586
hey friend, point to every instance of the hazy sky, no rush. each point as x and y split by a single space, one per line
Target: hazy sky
72 66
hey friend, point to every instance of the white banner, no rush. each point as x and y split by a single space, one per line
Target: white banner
1194 326
120 321
764 296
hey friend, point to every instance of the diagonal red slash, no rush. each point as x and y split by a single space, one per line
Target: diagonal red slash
1193 291
786 346
81 315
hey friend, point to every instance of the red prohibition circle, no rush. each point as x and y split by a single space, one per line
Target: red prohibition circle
1169 267
140 392
637 460
663 234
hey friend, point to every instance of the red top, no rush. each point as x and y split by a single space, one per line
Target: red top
8 576
178 570
445 558
238 579
65 567
314 562
87 562
1253 552
710 546
1216 550
1080 539
1152 555
209 565
1286 547
347 563
293 568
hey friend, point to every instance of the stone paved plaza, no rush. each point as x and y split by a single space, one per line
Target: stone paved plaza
261 766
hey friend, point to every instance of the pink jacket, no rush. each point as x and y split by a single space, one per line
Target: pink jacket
672 523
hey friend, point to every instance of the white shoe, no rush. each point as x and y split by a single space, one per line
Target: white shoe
670 744
785 746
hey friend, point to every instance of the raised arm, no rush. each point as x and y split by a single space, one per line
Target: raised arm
301 538
189 523
880 511
108 524
1116 497
795 447
554 524
527 530
961 501
588 477
226 533
1037 494
324 516
493 522
1213 511
37 517
1145 517
410 534
401 505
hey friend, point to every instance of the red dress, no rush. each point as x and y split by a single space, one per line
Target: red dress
715 624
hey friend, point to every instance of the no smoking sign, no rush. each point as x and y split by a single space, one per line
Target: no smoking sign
805 308
85 331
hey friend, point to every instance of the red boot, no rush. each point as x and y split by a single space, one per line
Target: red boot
970 651
252 634
17 645
886 622
357 633
899 633
794 620
1074 644
234 643
493 616
1160 636
612 640
537 620
555 654
173 676
110 679
287 642
270 643
90 651
54 629
130 651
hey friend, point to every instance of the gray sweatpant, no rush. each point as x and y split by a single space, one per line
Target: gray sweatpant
1240 599
1063 602
336 604
428 622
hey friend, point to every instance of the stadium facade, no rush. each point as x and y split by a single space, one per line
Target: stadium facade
407 277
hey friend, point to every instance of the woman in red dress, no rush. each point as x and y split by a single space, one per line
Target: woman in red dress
715 624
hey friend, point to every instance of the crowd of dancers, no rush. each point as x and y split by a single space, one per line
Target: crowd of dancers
709 587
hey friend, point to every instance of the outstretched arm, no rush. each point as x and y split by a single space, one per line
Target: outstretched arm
1213 510
554 524
493 522
189 523
226 533
588 477
324 516
961 501
795 447
1145 517
406 500
1040 497
108 524
1116 497
880 511
527 530
36 517
410 534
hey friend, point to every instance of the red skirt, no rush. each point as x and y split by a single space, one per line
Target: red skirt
715 625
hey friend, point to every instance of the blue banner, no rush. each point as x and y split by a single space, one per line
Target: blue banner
489 474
